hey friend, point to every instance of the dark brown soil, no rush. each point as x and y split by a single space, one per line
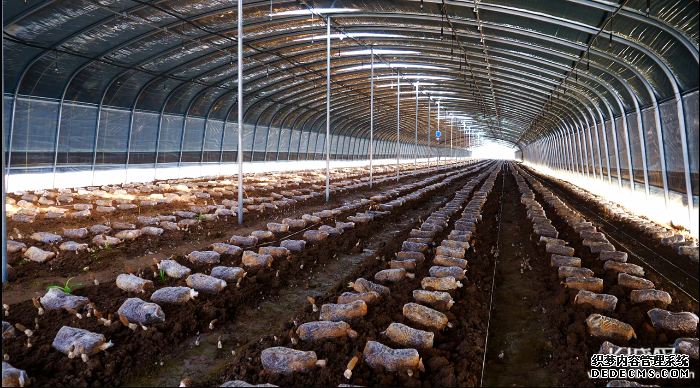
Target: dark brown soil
136 352
456 357
518 351
664 259
569 328
534 321
105 264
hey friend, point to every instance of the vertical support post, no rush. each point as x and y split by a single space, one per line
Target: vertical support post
607 153
128 144
600 151
562 153
617 152
686 158
584 150
415 146
662 154
642 146
160 128
58 137
97 136
438 139
371 115
452 125
240 112
398 122
590 145
572 159
328 108
429 134
629 151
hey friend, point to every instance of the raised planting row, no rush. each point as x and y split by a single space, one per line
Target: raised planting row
76 247
192 198
660 236
621 308
143 318
270 190
410 324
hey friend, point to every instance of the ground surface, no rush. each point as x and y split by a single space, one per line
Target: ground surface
522 326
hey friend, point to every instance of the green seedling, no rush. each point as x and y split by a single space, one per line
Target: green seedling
153 209
107 247
24 261
95 256
68 289
200 217
161 276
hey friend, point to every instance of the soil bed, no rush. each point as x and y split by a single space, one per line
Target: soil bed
569 330
456 358
140 352
106 264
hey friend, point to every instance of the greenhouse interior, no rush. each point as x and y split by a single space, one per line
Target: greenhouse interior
415 193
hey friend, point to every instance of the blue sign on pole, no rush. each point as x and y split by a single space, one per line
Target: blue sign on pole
438 134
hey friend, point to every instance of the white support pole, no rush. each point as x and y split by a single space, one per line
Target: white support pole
240 112
429 134
452 125
398 122
328 108
438 130
415 146
371 115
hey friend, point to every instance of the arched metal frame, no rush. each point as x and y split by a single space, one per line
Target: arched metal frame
614 87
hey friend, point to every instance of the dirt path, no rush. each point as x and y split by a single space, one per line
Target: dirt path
515 353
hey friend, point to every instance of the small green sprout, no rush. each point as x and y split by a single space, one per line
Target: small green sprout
107 247
200 217
161 276
24 261
66 288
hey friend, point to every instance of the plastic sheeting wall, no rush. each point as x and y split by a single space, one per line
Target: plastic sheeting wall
561 154
89 140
